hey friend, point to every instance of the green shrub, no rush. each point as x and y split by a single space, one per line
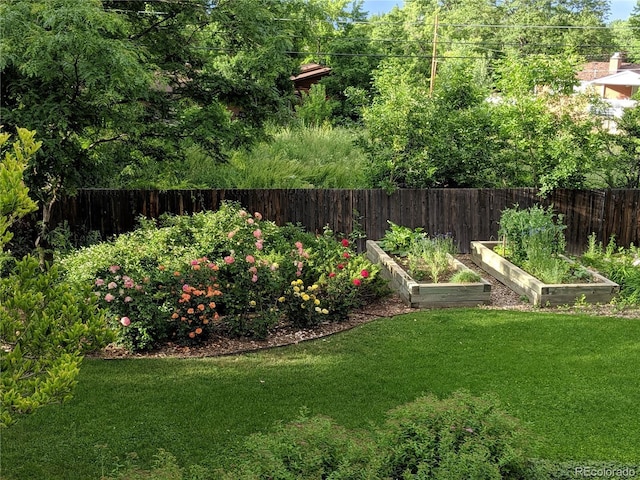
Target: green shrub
461 437
619 264
46 325
454 438
308 448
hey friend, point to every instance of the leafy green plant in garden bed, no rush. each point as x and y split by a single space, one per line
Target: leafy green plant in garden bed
228 272
533 239
620 264
425 257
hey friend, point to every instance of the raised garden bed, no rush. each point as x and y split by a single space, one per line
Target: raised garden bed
601 290
424 294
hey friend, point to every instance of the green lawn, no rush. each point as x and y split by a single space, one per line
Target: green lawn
573 379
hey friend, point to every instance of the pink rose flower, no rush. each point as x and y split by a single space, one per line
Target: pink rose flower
254 279
298 245
231 234
229 259
364 273
356 282
250 221
345 242
250 259
112 285
259 244
186 288
257 233
127 299
109 298
345 254
258 215
125 321
99 282
114 268
332 274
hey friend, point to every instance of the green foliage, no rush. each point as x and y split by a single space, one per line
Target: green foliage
533 239
619 264
46 325
316 108
465 276
308 448
398 239
534 227
458 437
225 272
454 438
15 202
429 257
303 157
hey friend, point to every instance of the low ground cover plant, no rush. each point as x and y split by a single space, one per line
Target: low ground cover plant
533 239
425 257
229 272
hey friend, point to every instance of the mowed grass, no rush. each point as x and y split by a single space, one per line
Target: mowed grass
572 379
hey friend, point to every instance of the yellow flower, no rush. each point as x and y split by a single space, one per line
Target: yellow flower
305 297
313 287
296 289
293 282
325 311
316 301
252 303
318 309
281 299
299 282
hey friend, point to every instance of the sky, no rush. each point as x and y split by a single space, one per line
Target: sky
620 9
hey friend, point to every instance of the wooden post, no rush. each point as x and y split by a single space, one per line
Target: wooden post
433 55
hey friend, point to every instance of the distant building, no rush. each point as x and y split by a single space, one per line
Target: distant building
310 74
613 80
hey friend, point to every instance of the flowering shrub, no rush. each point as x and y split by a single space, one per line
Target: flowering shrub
195 295
133 311
223 271
302 306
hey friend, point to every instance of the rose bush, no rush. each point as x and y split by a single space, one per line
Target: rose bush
229 272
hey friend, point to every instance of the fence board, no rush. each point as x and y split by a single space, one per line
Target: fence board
469 214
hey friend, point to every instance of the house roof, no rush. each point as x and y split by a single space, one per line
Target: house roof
627 78
311 70
597 70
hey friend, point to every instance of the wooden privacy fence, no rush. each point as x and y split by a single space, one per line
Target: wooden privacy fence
467 214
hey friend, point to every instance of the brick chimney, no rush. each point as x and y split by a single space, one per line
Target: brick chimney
615 62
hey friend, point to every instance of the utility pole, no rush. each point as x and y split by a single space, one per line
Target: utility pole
433 55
